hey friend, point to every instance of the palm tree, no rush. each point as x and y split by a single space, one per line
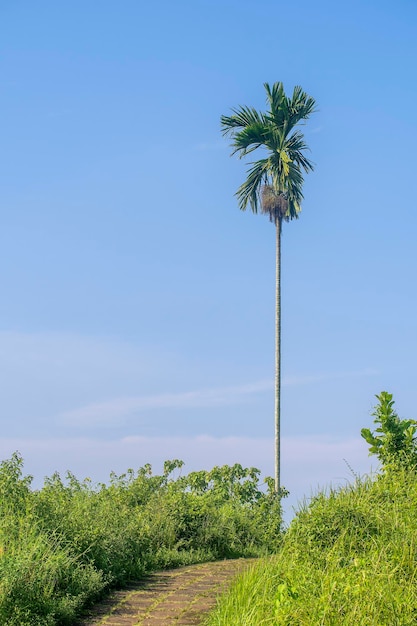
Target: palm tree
274 184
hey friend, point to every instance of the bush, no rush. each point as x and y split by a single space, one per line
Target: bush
394 441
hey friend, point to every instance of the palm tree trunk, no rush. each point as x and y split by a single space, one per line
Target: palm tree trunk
278 358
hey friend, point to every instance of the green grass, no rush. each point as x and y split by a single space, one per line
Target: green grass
64 545
349 558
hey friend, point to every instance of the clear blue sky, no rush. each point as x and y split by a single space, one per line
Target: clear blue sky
137 301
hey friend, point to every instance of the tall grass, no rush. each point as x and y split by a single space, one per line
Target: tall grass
65 544
349 558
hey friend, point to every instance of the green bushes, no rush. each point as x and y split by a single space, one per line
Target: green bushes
63 545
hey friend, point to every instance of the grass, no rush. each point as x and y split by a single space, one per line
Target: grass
64 545
348 558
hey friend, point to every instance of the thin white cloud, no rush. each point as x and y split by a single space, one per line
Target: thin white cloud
116 410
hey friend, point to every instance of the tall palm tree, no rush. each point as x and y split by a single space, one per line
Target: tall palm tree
274 184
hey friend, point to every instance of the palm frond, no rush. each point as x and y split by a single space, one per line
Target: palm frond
242 117
301 105
275 138
278 103
288 112
275 95
249 138
295 146
249 191
295 182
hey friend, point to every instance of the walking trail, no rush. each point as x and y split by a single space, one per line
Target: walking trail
177 597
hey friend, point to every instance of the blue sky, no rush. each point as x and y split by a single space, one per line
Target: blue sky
137 308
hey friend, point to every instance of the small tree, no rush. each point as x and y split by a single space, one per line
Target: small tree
394 441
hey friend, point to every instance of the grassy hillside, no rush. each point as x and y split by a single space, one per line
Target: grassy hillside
349 558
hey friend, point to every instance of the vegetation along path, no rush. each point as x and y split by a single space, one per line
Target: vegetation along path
179 597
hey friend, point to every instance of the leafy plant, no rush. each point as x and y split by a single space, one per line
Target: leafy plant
394 441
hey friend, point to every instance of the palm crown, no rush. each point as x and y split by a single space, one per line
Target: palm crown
274 183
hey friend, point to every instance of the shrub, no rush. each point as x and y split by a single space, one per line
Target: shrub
394 441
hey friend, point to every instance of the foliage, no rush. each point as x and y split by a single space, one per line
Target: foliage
350 555
62 546
348 558
394 441
274 182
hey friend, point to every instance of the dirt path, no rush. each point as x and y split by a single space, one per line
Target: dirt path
178 597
